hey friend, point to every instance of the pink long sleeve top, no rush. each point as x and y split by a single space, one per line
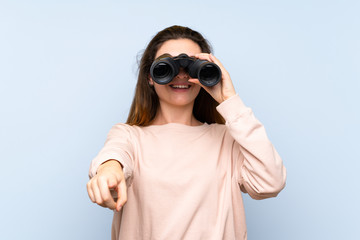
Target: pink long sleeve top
185 182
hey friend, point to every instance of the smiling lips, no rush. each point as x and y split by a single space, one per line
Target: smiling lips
178 86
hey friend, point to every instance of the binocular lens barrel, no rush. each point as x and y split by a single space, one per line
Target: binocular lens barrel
164 69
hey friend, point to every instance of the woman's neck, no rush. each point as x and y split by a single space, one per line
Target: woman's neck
175 114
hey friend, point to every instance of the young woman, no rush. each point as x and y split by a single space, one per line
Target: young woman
179 164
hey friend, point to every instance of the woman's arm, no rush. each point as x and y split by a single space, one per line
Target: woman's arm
111 168
260 169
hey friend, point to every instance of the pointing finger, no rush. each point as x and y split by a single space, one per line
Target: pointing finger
107 199
122 195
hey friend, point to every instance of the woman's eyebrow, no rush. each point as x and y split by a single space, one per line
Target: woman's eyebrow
165 55
169 55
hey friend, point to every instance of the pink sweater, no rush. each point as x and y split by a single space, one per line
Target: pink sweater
184 182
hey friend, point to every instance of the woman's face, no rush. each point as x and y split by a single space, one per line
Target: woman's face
179 92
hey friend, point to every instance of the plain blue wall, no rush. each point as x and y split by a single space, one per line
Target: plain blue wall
68 70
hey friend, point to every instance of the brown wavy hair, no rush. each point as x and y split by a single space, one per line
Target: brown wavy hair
146 102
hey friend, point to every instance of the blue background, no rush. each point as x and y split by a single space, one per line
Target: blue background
68 71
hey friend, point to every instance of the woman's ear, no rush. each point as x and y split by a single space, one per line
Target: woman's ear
151 82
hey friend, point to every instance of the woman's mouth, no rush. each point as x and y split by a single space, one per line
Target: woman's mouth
178 86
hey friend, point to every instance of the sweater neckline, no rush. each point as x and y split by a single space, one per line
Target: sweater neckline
178 126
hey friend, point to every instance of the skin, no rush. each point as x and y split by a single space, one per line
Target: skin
176 104
175 107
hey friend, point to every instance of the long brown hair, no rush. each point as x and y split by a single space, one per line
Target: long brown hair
146 102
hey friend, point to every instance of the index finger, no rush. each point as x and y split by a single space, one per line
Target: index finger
108 201
122 195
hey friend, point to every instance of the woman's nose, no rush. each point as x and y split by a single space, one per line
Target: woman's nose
182 73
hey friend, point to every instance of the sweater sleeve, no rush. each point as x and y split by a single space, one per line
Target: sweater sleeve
260 170
118 146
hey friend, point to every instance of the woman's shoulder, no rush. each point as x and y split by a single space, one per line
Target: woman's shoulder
121 126
122 129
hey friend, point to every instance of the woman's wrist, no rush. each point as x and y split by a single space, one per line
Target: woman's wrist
228 96
112 163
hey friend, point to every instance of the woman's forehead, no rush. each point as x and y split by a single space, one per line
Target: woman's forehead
175 47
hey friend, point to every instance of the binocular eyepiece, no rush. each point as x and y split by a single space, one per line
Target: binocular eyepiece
166 67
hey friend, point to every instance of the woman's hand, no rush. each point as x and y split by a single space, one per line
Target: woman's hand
225 88
109 176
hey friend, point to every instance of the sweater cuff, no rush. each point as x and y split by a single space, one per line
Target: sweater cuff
232 108
111 156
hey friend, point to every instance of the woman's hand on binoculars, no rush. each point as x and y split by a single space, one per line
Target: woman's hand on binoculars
109 176
225 88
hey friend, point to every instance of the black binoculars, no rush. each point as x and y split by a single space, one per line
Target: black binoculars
166 67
